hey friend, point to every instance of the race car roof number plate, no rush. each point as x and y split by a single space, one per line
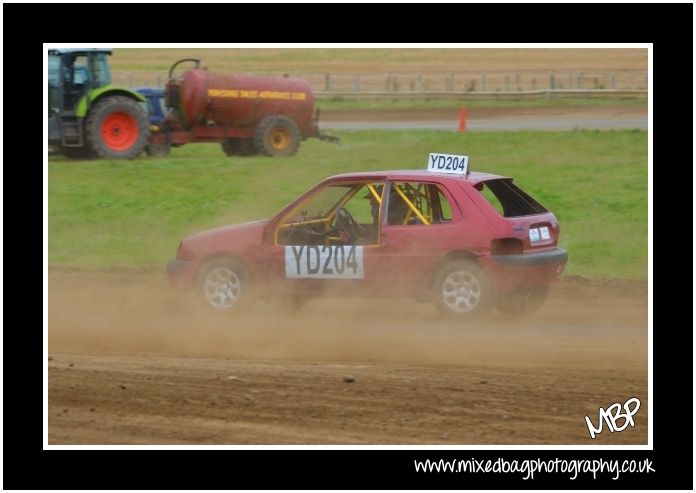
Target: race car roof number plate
448 163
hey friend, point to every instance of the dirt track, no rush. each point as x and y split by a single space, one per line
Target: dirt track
132 361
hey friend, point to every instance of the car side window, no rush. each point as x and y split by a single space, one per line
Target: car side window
414 203
445 207
340 214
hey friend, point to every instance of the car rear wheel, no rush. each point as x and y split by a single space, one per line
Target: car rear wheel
225 285
461 289
522 301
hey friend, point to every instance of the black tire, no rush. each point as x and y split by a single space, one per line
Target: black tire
225 285
277 135
158 150
238 147
117 128
77 153
461 289
522 301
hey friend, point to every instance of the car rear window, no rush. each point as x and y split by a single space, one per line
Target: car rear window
509 199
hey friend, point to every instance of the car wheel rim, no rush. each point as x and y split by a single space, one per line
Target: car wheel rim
222 287
461 291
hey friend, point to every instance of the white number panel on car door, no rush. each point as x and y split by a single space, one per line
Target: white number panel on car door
324 262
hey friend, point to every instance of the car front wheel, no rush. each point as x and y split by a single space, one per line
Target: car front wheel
224 285
461 289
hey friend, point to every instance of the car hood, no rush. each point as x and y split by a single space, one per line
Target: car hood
235 239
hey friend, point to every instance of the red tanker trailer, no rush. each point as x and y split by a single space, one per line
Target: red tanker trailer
247 114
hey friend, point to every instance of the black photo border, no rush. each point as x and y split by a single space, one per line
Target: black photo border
668 27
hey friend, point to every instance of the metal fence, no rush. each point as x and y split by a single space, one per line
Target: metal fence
390 85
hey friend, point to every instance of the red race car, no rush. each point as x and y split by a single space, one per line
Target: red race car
467 241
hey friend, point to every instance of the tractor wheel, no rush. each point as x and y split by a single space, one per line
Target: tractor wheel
462 290
117 128
77 153
277 135
238 147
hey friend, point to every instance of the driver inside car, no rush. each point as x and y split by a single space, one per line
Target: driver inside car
346 227
369 231
349 230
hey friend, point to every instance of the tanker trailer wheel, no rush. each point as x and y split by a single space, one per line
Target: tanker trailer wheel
277 135
238 147
117 128
158 150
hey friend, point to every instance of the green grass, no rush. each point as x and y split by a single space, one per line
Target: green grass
133 213
394 60
402 104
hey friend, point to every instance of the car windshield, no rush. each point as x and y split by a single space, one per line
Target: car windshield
337 214
321 203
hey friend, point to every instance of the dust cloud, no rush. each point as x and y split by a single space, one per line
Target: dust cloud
131 360
138 312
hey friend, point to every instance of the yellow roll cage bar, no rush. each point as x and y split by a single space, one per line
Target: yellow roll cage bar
418 193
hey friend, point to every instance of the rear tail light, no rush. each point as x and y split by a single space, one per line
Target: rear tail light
506 246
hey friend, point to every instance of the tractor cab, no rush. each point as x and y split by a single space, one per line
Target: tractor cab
72 73
88 116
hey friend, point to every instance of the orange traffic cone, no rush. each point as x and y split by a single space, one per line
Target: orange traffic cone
462 120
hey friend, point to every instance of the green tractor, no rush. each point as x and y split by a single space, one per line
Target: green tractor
88 117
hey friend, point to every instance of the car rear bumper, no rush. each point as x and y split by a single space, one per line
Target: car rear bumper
508 272
556 256
182 273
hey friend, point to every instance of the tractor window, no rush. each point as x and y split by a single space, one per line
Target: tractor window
53 69
75 70
80 75
75 79
102 76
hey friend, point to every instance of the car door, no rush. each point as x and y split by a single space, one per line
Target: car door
420 226
313 246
